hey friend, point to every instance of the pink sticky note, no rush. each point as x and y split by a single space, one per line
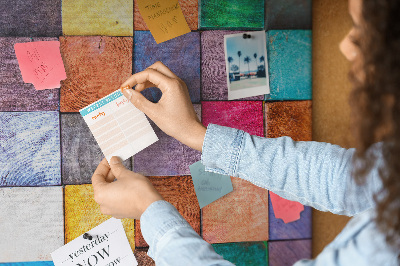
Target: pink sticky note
288 211
41 64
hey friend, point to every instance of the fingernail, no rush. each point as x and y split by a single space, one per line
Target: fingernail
115 160
125 88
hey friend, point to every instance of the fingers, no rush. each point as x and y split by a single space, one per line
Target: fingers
160 80
99 176
117 167
160 67
140 102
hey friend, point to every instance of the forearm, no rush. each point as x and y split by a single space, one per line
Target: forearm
172 240
312 173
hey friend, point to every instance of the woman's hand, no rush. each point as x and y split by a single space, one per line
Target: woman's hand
174 113
127 197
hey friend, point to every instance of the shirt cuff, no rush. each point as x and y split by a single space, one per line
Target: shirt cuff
221 149
160 217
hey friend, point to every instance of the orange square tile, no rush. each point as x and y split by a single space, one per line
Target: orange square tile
240 216
179 191
82 213
189 10
95 67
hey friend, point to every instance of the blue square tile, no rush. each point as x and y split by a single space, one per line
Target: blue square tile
289 64
300 229
288 14
181 55
30 149
244 253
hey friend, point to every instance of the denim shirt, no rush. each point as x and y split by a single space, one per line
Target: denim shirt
312 173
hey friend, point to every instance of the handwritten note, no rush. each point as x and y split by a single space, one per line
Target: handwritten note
288 211
164 19
118 126
209 186
41 64
108 246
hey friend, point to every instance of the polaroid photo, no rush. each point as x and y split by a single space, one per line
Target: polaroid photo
246 64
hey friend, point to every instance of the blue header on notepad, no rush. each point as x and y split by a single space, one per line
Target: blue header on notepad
101 102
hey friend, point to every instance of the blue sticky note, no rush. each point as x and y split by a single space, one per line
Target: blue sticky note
209 186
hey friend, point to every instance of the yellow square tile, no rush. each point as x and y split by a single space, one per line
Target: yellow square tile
100 17
82 213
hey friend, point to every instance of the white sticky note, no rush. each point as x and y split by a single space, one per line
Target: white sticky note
118 126
109 246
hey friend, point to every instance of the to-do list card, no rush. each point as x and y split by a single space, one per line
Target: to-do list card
118 126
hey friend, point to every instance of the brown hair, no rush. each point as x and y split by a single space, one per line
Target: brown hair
376 107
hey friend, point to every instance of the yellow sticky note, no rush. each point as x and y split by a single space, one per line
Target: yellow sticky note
164 19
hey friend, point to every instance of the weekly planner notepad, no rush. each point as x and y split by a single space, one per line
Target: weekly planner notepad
118 126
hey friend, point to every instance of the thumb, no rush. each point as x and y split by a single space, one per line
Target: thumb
138 100
117 168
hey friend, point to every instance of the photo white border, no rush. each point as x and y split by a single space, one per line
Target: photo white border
247 92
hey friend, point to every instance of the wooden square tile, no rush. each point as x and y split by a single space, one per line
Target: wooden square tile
288 252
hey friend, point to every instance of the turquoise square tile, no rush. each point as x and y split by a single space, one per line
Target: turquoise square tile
289 64
233 14
244 253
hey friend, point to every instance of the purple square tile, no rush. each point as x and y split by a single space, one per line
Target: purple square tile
286 253
300 229
30 18
167 156
213 68
15 95
30 149
181 55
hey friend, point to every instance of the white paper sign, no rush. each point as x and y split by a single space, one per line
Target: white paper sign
108 247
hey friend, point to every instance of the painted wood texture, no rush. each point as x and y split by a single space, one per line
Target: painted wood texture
289 118
241 215
101 17
80 152
30 18
95 67
143 259
82 213
289 64
30 263
293 119
288 14
231 14
15 95
286 253
189 10
179 191
30 149
245 253
30 217
243 115
181 55
213 68
167 156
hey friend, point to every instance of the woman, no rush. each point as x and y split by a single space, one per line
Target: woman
363 183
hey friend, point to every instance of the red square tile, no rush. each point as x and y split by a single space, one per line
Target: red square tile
243 115
239 216
179 191
95 66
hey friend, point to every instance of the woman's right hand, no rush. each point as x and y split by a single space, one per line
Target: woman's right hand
174 113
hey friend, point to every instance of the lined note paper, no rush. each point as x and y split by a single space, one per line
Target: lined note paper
164 19
118 126
41 63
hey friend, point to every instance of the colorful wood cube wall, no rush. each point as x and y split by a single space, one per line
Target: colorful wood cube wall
48 155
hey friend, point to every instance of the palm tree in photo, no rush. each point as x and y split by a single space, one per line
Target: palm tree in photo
255 57
230 59
239 54
247 60
262 59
